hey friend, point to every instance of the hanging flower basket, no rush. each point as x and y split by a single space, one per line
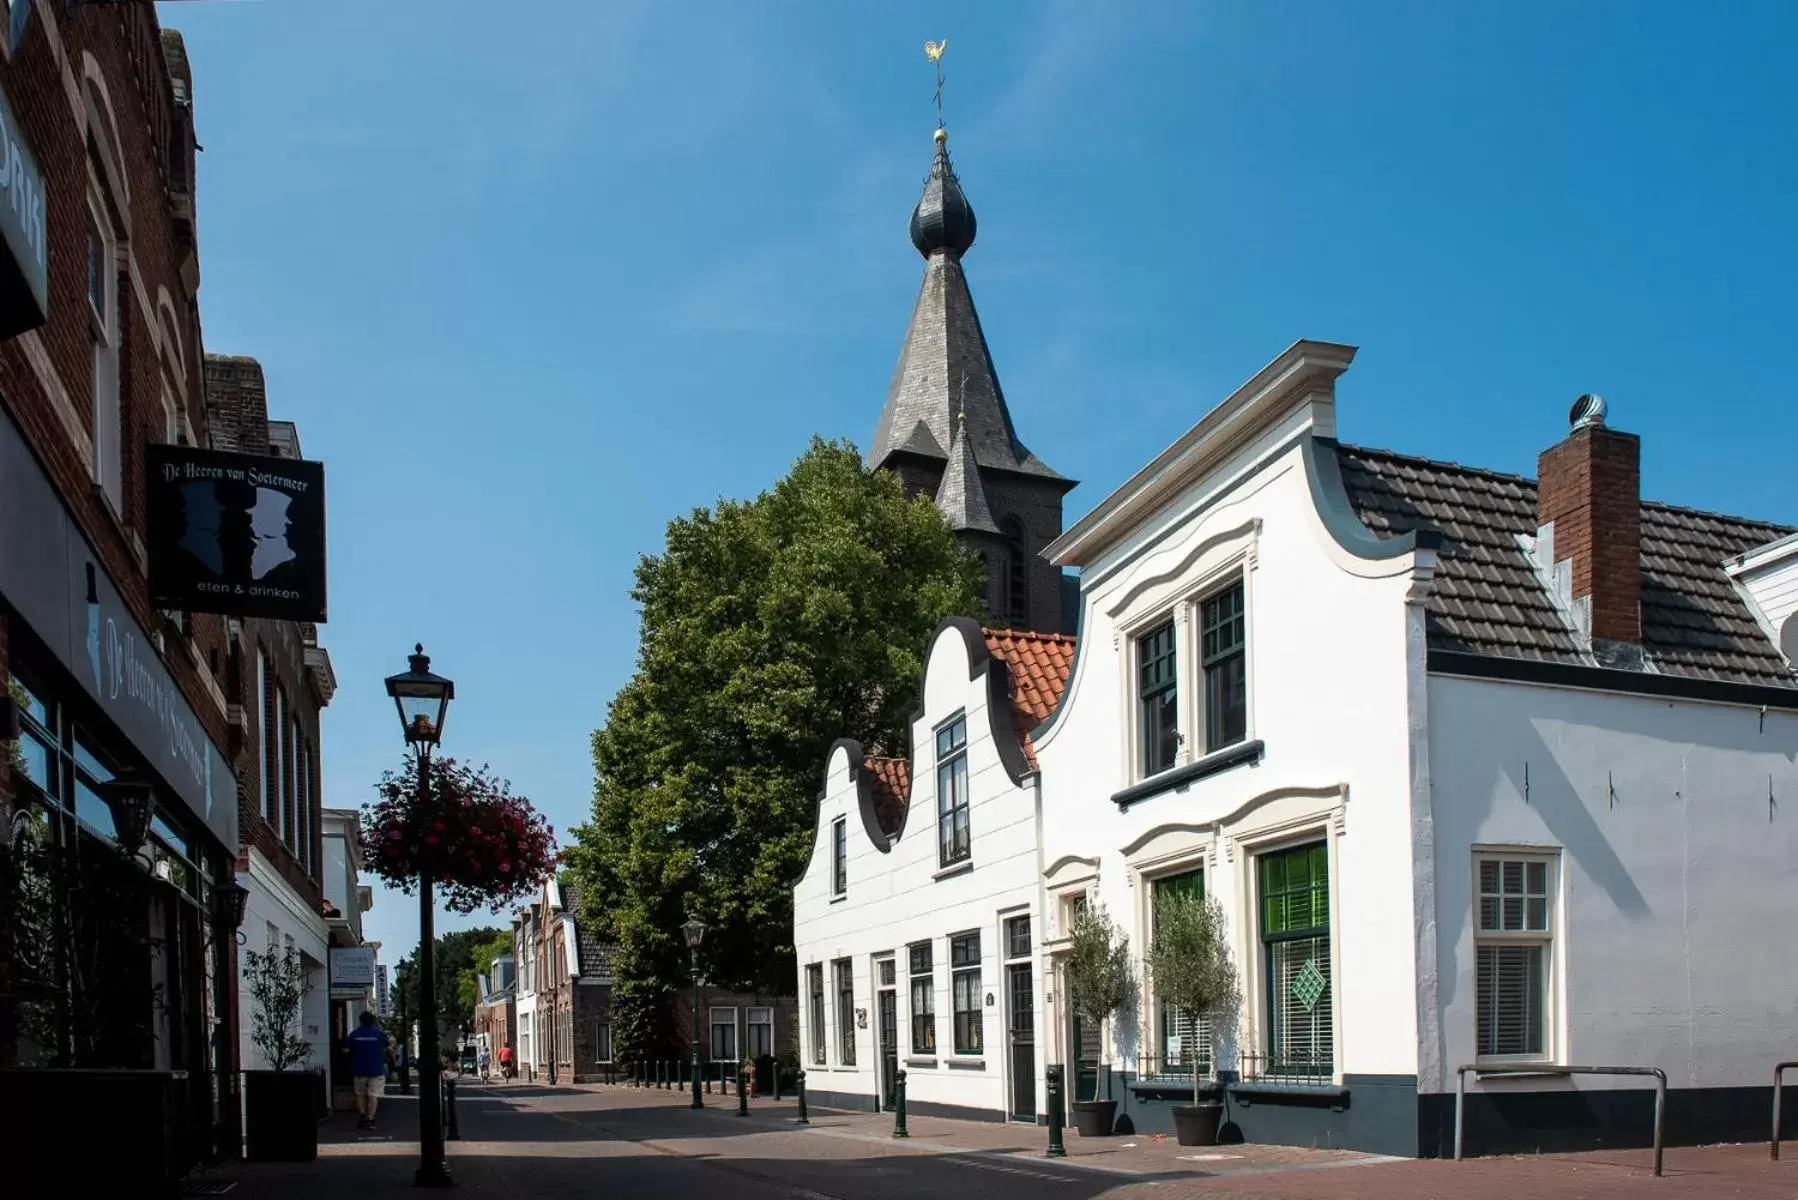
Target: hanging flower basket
469 835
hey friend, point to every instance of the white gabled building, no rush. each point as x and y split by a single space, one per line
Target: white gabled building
915 922
1484 770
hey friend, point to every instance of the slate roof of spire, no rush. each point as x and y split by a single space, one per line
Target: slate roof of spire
945 367
961 496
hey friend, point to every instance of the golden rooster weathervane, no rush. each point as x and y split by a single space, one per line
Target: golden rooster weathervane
934 52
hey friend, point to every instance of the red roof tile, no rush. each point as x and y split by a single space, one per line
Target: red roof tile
892 790
1039 664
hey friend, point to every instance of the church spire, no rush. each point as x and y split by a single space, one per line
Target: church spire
962 497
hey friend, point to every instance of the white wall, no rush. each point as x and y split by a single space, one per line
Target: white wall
897 898
1332 650
273 902
1676 896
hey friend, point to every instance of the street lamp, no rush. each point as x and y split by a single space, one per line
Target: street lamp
694 931
423 702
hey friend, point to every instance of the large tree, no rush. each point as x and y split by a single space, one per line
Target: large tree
454 961
770 628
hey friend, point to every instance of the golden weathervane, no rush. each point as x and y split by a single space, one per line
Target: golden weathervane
934 52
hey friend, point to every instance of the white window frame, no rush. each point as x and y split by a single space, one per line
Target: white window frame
1179 593
1548 938
602 1041
752 1017
714 1023
106 333
843 972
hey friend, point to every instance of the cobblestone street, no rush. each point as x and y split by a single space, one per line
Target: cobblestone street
534 1141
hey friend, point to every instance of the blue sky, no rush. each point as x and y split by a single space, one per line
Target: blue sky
534 277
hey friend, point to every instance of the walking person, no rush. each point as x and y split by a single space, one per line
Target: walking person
368 1067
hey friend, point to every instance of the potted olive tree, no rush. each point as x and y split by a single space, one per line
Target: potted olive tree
1100 984
1190 964
280 1103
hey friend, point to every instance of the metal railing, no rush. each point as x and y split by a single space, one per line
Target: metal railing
1779 1070
1660 1093
1287 1069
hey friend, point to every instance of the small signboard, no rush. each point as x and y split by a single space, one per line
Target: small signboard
352 967
242 535
25 261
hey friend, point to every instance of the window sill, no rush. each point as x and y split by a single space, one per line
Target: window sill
1336 1094
1179 778
966 1064
1536 1069
921 1064
954 869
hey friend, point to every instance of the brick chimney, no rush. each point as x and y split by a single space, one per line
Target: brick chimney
1589 507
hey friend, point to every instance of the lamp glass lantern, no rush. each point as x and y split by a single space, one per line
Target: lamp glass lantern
131 802
422 699
693 929
234 902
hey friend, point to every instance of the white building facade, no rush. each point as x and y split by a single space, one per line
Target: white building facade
916 920
1481 772
1484 771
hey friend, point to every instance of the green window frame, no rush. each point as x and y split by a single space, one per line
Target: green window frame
923 998
1223 657
1295 940
1184 1036
1157 699
964 979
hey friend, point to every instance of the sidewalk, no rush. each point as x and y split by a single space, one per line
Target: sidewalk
1162 1167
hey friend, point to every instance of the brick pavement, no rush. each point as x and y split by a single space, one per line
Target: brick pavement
532 1141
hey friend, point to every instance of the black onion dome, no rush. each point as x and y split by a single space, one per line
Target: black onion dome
943 219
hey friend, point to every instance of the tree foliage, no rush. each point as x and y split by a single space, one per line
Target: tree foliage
770 628
454 962
481 956
278 985
1189 961
1100 978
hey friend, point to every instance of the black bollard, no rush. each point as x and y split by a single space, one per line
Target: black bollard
1053 1099
777 1082
449 1109
742 1092
899 1130
800 1082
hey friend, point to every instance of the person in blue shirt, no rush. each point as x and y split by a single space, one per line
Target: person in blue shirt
368 1067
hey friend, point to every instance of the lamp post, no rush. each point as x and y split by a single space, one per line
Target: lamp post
423 702
694 930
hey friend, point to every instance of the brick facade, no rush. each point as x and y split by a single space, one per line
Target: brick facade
1589 488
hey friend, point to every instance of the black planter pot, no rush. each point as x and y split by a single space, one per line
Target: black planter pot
280 1121
1095 1118
1197 1124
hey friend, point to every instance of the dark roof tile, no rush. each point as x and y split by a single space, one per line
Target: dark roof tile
1488 598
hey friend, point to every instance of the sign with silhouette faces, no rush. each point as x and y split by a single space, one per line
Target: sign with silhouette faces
238 534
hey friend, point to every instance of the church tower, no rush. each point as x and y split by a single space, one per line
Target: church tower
945 429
